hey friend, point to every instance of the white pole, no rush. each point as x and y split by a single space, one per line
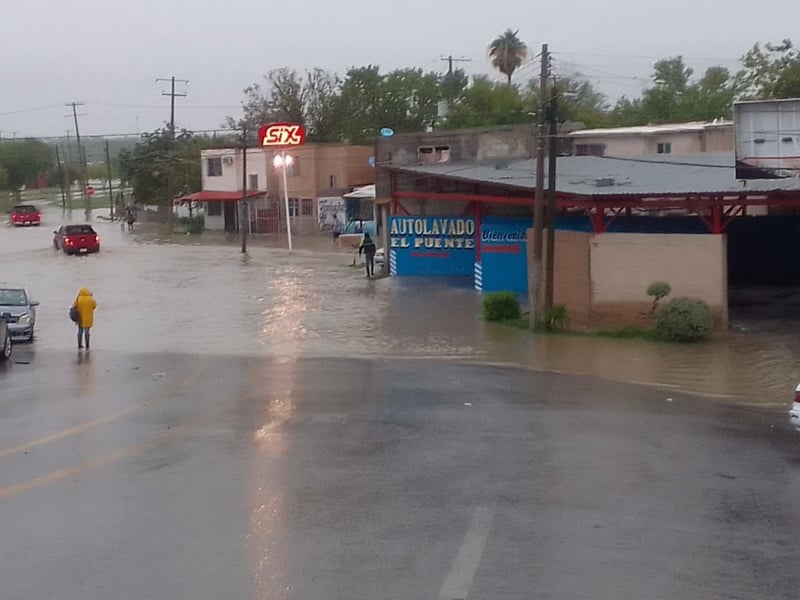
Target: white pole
286 202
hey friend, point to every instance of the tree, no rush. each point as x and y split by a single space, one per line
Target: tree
24 162
453 85
771 72
488 103
508 52
577 100
675 97
286 96
320 93
404 100
159 168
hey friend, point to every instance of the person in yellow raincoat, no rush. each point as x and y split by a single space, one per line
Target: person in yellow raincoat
85 304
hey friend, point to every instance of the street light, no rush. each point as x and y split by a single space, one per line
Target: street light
283 161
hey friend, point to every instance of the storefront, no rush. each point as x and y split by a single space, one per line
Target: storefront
492 250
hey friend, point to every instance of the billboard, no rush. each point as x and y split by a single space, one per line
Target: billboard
767 137
432 245
503 264
281 135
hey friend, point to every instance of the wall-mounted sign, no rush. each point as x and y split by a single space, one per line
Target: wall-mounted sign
387 132
503 265
282 135
432 245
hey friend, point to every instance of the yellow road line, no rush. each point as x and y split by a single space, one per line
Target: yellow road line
90 464
67 432
77 429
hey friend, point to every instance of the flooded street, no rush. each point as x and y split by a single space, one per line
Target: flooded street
201 295
277 426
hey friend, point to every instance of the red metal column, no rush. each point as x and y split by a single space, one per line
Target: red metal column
716 219
599 219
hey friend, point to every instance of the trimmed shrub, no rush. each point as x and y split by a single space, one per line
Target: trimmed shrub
501 306
683 320
658 290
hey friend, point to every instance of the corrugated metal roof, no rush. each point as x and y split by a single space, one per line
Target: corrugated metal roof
657 175
689 127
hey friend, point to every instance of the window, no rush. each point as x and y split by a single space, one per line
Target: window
664 148
332 181
253 185
294 207
430 155
214 166
590 149
214 208
307 207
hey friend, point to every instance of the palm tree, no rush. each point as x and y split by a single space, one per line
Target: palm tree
507 52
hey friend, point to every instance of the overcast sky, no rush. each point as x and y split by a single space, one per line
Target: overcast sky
108 53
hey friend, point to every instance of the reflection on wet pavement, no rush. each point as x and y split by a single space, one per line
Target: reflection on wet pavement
155 296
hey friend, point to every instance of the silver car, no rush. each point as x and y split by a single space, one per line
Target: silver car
18 310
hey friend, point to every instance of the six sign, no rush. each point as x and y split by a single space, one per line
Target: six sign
282 135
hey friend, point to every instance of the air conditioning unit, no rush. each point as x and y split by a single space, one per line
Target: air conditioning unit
227 161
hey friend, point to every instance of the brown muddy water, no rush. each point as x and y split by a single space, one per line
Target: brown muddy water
201 295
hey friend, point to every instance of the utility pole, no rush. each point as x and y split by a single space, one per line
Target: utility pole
450 60
552 154
172 94
535 266
245 218
60 178
110 189
81 155
68 174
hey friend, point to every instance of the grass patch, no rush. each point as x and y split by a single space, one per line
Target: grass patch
627 332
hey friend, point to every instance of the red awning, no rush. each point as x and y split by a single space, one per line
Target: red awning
207 196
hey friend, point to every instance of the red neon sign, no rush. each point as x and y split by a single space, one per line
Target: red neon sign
282 135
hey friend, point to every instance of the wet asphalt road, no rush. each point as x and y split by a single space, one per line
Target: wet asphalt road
204 477
277 427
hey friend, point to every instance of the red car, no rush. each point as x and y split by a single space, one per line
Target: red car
26 214
76 239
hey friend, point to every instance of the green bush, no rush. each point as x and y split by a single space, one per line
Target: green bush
501 306
194 225
555 319
683 320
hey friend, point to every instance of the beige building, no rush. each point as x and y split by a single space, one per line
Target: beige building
317 171
673 138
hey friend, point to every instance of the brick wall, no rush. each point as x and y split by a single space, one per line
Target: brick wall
602 279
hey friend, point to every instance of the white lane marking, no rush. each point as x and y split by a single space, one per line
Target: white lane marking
459 579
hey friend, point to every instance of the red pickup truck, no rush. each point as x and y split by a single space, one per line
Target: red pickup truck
25 214
76 239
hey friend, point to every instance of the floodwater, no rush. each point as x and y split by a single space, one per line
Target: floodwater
190 294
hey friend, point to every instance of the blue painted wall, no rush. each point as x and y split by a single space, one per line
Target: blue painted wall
440 246
503 264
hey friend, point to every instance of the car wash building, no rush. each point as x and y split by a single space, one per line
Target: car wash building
622 223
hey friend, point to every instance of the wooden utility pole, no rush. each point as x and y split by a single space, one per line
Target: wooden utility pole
110 189
68 174
552 154
60 178
535 265
244 221
450 60
172 94
81 155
